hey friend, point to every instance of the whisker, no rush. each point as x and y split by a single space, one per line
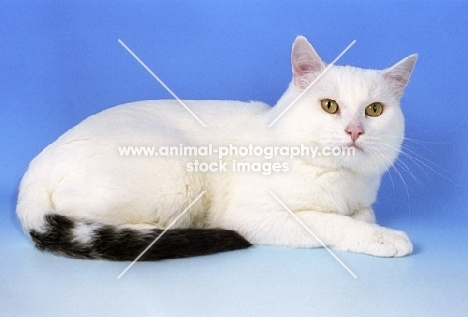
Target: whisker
423 142
412 159
407 169
373 155
417 161
412 140
402 180
422 158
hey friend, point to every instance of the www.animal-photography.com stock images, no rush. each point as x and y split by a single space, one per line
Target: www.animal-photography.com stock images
234 158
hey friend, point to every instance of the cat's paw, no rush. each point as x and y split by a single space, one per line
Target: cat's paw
388 243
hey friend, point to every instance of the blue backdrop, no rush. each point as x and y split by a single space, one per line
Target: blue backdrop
60 62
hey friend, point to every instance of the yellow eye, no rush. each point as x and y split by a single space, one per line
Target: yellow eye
329 105
374 109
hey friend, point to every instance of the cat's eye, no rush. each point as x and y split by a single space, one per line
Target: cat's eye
374 109
329 105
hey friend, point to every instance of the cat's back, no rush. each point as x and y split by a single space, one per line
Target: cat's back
194 119
152 123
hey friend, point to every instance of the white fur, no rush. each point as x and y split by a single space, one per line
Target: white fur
82 174
84 233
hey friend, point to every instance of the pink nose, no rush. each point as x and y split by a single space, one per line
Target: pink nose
354 131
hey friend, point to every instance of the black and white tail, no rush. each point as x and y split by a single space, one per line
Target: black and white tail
102 241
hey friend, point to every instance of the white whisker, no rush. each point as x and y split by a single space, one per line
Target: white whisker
402 179
373 155
419 160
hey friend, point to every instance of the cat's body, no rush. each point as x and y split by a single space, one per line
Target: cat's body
98 203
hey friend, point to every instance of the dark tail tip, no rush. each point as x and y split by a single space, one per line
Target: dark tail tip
181 243
122 244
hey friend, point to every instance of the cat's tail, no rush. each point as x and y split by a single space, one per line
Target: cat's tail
79 238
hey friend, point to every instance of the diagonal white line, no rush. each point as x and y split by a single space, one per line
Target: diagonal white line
312 83
161 234
162 83
313 234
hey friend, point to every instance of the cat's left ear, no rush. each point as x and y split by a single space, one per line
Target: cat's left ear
398 75
305 61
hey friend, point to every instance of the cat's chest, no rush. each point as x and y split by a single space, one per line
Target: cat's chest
327 190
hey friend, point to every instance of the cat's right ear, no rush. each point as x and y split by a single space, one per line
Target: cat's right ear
305 61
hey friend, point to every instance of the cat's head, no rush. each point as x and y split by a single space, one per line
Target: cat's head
345 107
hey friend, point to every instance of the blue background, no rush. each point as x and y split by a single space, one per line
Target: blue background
60 62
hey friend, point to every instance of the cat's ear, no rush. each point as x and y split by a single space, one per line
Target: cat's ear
305 60
398 75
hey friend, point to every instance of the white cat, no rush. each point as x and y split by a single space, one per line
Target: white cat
82 198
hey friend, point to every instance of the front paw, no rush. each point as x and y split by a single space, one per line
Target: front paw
385 242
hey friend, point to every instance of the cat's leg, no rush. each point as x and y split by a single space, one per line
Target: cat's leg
335 231
359 234
131 191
